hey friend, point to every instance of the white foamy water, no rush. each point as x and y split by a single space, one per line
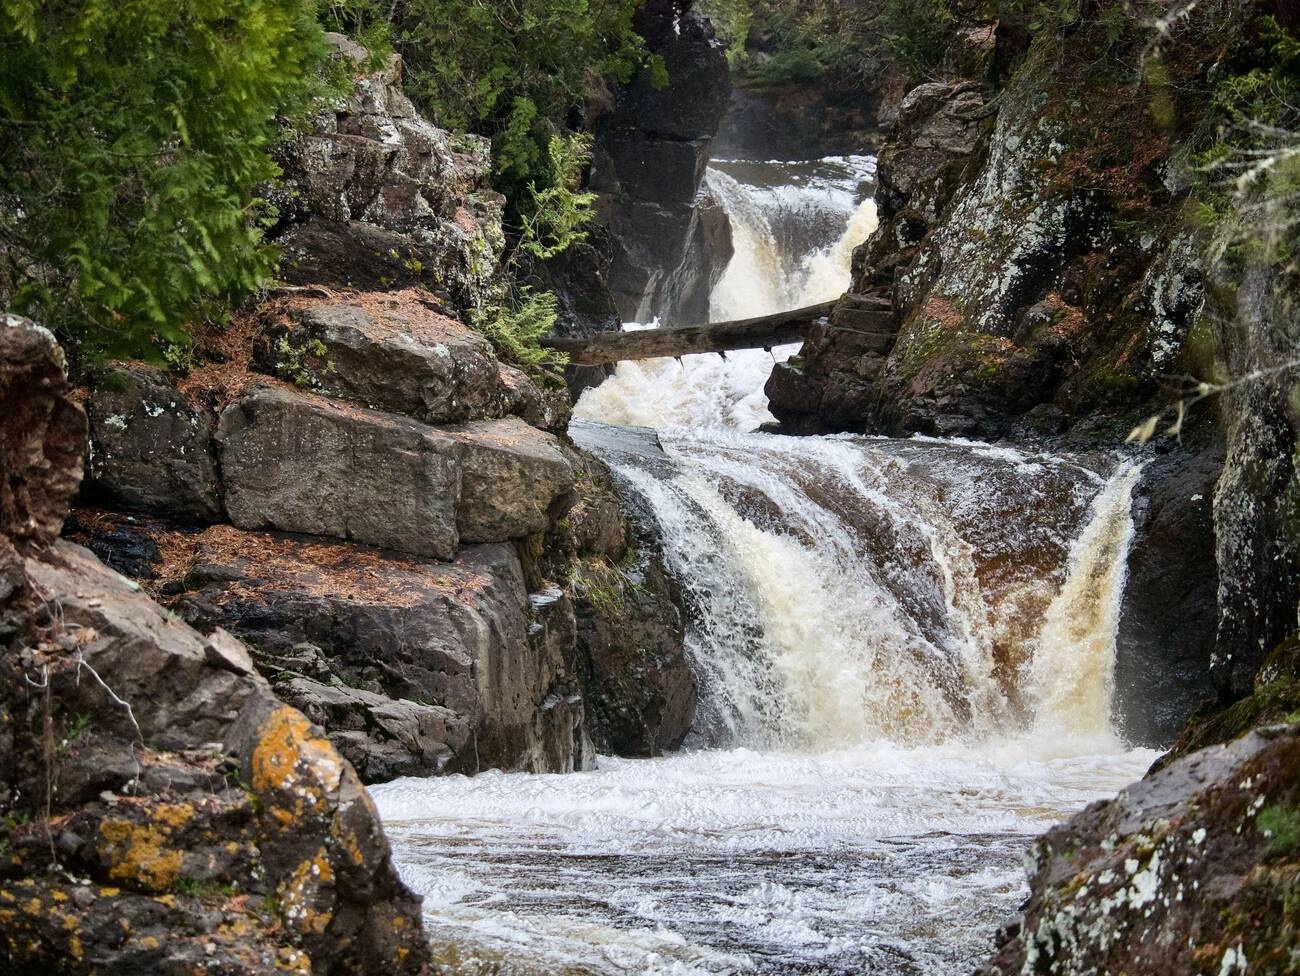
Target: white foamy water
879 859
904 651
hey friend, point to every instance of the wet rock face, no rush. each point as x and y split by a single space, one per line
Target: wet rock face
377 197
651 154
1258 548
414 667
642 694
1191 870
630 618
1166 635
1017 282
150 448
42 434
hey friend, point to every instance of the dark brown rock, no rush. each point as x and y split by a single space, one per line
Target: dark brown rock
151 449
413 667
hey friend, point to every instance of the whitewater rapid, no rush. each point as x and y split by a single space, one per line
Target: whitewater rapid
905 652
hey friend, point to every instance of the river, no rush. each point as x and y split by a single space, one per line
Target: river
905 654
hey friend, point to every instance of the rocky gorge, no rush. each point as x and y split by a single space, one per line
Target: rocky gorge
353 544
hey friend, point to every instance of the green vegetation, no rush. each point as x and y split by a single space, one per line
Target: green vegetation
514 70
135 136
559 212
1281 825
515 329
1250 161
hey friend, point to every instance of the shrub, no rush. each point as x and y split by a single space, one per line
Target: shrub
559 212
135 136
515 330
514 70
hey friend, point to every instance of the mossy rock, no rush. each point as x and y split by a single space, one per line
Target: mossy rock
1276 700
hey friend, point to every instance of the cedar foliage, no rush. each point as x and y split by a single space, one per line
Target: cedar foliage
518 71
136 134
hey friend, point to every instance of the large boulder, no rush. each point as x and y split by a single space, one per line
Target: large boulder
188 817
301 463
414 667
1191 870
42 434
514 479
374 196
402 356
151 449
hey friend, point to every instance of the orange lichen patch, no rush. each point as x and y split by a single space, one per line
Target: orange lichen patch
141 853
301 892
299 767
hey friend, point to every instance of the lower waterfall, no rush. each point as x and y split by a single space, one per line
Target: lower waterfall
905 653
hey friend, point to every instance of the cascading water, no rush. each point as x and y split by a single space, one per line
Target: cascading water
794 227
904 651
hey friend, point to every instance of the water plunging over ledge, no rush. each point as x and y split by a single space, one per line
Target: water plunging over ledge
904 650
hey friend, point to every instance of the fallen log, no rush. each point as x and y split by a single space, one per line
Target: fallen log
763 332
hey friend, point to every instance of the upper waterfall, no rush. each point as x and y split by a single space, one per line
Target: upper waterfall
794 227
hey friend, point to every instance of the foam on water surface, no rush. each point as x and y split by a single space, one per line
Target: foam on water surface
875 859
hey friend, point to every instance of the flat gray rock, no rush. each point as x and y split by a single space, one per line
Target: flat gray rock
302 463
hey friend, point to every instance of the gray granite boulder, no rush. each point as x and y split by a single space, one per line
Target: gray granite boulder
302 463
407 358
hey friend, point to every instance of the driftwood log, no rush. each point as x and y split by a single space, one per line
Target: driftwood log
763 332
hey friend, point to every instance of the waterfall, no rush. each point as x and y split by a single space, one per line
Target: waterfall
904 651
1073 678
844 590
794 227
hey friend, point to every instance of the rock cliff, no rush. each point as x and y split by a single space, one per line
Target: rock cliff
395 520
163 809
